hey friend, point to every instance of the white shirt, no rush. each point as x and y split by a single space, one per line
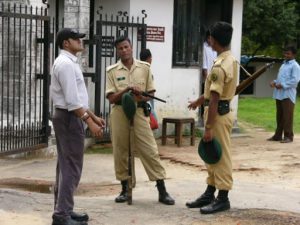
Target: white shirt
67 89
209 56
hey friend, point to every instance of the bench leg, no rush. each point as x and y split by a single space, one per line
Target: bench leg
192 133
179 134
164 133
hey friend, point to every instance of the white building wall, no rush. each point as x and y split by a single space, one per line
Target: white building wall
236 42
111 7
176 85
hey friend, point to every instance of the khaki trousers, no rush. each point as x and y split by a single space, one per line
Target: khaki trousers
220 174
144 144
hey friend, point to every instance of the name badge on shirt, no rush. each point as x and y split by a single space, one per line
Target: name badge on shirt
121 78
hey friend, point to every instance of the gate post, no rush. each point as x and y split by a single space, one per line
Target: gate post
97 78
46 75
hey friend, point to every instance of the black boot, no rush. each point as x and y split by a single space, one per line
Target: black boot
123 196
221 203
205 199
164 196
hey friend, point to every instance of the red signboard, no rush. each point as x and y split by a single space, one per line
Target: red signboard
155 34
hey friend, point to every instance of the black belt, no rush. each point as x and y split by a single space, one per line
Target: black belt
61 109
139 104
223 106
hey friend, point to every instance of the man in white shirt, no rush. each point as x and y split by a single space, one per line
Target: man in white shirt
70 99
208 58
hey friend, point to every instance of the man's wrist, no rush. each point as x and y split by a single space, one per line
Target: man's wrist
85 116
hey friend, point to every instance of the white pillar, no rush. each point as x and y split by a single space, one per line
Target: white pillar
236 42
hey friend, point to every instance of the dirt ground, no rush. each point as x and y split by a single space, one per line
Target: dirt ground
266 187
254 158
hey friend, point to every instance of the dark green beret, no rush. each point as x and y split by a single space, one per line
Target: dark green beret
128 105
210 152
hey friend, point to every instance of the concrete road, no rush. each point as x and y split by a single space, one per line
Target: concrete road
251 202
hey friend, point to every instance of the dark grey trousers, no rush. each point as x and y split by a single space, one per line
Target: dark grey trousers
69 133
284 118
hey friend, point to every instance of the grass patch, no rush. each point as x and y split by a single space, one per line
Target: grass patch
262 112
99 149
198 133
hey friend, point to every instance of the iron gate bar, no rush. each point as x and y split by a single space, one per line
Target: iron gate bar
18 131
46 67
106 54
24 16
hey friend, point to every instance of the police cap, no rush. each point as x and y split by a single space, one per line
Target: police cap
210 152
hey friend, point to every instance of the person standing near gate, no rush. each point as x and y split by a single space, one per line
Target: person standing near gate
133 75
219 89
209 55
285 90
70 99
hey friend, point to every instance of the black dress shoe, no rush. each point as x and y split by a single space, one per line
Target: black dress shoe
286 140
66 221
274 139
79 216
123 197
166 199
203 200
216 206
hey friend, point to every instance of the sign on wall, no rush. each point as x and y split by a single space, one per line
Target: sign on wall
107 46
156 34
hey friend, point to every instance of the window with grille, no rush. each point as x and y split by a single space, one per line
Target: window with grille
186 33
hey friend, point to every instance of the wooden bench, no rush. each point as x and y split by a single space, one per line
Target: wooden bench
178 129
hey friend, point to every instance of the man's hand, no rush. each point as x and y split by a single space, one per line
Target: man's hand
99 121
208 135
194 104
272 84
94 128
278 86
138 97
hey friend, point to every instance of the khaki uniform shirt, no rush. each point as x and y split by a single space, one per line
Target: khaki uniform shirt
119 77
223 77
223 80
140 136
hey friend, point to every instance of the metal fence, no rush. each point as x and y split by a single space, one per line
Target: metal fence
25 61
24 83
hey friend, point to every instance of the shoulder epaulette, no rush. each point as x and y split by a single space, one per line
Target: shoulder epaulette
111 67
143 63
218 63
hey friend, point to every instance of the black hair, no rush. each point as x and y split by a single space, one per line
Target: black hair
290 48
222 33
207 34
121 39
145 54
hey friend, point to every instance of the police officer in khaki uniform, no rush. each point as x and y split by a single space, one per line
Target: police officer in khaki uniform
219 90
132 75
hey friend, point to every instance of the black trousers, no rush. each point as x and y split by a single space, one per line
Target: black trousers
69 133
284 118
